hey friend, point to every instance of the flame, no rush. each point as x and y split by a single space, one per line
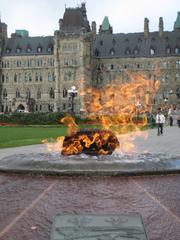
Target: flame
70 123
119 108
94 142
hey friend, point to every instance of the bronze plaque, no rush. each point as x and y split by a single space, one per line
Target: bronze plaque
98 227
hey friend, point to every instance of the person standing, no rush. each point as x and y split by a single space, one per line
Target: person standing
160 120
170 117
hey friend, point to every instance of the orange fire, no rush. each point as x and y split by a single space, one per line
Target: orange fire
119 109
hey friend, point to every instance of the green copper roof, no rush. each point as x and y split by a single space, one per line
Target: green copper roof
105 24
177 22
23 33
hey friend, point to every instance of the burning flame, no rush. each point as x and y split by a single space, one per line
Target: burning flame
119 108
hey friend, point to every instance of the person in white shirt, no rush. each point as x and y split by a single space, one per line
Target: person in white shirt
160 120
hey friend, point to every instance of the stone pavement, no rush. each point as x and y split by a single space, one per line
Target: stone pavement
152 153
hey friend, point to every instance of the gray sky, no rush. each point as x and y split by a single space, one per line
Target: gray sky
40 17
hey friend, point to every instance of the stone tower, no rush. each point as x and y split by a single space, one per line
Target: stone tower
3 37
72 56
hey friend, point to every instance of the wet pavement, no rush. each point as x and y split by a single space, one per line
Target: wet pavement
28 204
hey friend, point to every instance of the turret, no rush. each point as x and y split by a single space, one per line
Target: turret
105 27
146 28
177 23
161 27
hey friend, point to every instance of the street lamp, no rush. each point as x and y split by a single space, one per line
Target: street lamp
72 92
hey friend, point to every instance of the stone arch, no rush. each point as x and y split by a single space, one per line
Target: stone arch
20 107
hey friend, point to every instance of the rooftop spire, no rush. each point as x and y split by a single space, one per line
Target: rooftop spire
177 22
105 27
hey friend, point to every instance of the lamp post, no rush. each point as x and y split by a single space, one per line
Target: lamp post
72 92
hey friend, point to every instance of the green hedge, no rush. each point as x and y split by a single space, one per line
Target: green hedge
37 118
31 118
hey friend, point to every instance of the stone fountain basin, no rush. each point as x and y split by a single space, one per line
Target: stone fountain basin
116 164
153 155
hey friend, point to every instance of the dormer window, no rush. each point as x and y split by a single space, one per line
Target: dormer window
167 39
101 42
168 50
176 50
139 40
49 49
8 50
152 51
28 50
39 49
18 50
112 52
136 51
127 52
96 52
153 39
113 41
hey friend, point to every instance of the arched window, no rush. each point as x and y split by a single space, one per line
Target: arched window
112 51
69 75
4 93
36 77
7 77
30 77
25 77
15 77
51 93
49 77
2 77
39 94
40 77
28 94
17 93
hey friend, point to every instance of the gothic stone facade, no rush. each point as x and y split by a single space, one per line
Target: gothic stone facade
36 72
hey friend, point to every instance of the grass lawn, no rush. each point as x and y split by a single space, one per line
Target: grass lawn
13 136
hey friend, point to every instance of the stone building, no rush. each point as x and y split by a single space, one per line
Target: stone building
37 72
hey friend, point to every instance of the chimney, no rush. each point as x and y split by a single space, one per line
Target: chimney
146 28
93 27
161 27
60 24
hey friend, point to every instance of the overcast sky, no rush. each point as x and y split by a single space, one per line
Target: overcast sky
40 17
